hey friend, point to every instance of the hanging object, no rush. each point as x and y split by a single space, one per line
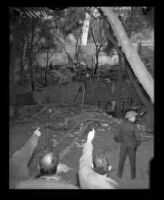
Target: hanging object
85 30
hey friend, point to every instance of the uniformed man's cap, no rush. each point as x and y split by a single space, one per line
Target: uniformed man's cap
130 114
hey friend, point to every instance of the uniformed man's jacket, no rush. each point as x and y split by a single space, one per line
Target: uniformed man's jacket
127 134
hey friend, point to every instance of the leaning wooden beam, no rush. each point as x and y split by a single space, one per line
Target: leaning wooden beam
77 93
132 56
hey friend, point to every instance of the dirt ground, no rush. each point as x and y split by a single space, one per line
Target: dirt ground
19 134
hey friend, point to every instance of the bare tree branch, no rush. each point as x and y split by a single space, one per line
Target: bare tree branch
93 36
102 43
99 34
77 41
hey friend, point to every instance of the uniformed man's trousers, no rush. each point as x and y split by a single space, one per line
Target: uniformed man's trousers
131 152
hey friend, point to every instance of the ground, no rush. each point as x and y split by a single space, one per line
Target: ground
20 132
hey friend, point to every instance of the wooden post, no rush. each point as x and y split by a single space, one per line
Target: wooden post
113 92
78 91
46 69
83 97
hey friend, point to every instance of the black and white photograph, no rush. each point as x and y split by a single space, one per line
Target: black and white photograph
81 97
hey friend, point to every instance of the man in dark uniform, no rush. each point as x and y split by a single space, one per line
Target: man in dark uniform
129 142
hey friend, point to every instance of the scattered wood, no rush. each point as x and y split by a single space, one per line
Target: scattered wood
54 113
68 148
70 131
38 113
83 97
21 121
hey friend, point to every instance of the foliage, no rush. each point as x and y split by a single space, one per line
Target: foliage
52 26
72 20
43 34
136 20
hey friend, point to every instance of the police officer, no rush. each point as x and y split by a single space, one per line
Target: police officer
129 142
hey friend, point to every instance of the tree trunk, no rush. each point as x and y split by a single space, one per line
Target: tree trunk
31 75
31 58
97 62
22 67
12 66
134 60
121 62
46 69
22 62
77 47
77 54
12 75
